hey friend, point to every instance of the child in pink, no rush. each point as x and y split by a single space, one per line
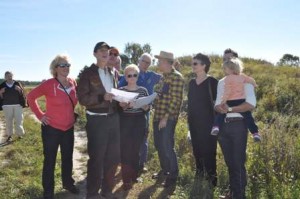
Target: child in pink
234 95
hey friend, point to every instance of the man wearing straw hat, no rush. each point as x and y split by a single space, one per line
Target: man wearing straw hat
167 107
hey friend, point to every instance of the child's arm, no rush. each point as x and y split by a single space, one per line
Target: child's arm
249 80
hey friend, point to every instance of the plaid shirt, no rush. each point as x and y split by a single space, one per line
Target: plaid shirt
170 92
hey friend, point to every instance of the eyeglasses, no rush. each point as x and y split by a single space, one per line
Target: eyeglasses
113 54
63 65
132 75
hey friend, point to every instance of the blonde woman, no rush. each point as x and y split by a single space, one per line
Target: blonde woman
57 123
133 125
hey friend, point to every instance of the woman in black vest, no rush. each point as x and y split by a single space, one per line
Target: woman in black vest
12 94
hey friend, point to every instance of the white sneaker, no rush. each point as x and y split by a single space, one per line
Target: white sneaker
256 137
215 131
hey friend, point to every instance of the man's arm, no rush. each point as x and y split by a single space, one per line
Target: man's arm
249 105
84 94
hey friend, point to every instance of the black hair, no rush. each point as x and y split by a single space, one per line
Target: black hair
204 59
229 50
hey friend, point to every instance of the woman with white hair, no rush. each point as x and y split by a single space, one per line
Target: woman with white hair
12 96
57 123
133 128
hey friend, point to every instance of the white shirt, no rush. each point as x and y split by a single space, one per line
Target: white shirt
249 92
106 78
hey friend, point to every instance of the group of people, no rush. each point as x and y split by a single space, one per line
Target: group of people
117 132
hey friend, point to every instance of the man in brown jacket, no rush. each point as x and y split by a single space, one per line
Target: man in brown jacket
103 131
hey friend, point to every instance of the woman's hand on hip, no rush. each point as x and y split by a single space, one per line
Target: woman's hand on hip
45 120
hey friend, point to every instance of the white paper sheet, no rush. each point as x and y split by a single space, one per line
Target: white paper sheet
123 96
140 102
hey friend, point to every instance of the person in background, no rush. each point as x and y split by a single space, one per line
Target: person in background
229 53
133 128
147 79
234 95
114 62
118 64
103 126
177 65
201 96
167 107
57 123
13 101
233 135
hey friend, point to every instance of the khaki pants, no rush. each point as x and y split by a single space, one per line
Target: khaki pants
13 113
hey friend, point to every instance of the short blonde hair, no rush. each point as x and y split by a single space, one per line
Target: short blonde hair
234 64
58 59
131 67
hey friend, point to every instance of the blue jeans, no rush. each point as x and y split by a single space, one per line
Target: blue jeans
164 144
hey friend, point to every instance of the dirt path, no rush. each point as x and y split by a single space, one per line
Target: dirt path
2 130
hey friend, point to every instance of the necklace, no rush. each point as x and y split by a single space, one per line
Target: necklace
65 83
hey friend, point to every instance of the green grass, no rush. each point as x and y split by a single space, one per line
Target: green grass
21 177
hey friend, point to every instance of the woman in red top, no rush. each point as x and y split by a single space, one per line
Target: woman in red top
57 123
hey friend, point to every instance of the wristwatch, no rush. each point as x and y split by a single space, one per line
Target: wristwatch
229 109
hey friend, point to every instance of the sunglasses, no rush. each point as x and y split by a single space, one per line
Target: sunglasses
114 54
195 64
63 65
130 76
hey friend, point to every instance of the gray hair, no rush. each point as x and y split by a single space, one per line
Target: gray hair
146 55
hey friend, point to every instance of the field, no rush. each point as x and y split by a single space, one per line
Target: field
273 165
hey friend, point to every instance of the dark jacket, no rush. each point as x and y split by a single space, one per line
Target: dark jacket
90 91
11 96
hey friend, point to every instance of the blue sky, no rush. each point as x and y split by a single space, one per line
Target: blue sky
32 32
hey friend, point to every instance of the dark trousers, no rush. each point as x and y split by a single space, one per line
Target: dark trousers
164 144
133 129
103 134
204 149
219 118
144 146
52 139
233 142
